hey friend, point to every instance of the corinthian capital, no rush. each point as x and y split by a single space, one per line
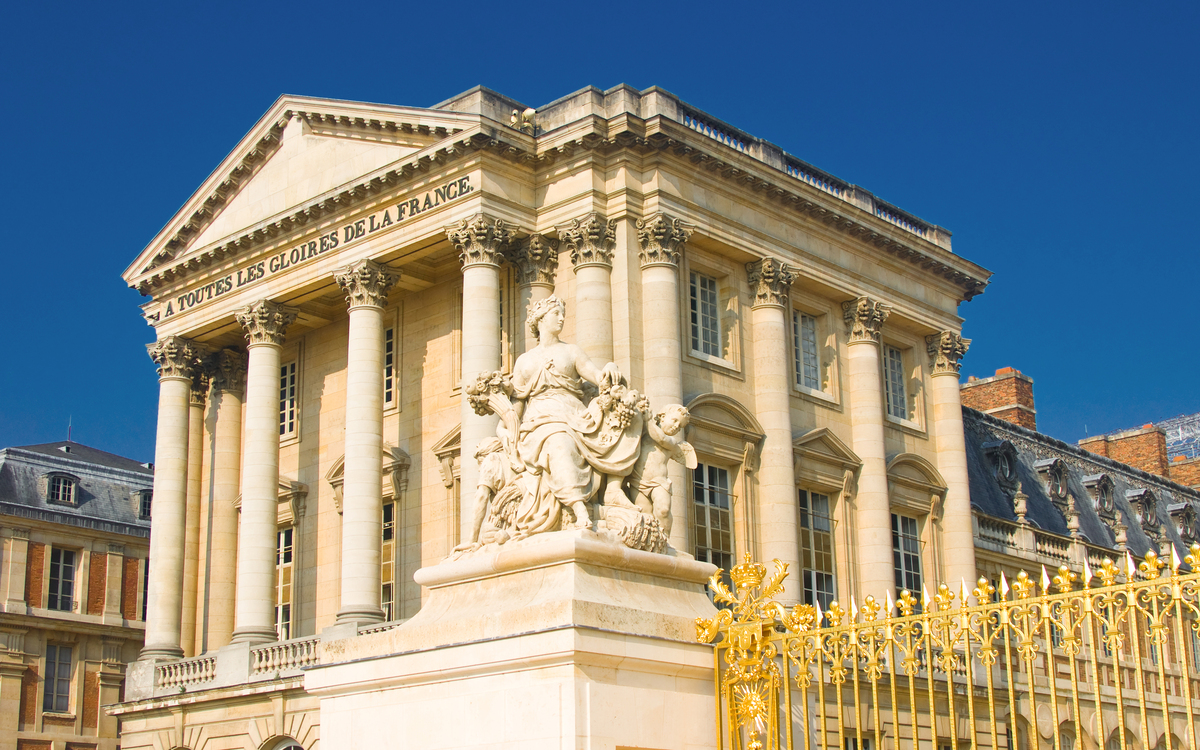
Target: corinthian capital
536 260
366 283
662 239
480 240
770 281
265 322
175 356
590 239
864 318
946 350
229 371
200 383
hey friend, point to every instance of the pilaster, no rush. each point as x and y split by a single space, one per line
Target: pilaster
15 557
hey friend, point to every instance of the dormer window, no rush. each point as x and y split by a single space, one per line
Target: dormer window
1003 455
1184 517
62 489
1101 490
1146 506
143 499
1054 474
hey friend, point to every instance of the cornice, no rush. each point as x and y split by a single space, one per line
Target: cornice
658 135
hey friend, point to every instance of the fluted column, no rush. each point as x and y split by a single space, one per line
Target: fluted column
480 242
876 573
228 387
366 284
946 350
536 262
254 617
176 358
770 282
662 240
191 545
590 240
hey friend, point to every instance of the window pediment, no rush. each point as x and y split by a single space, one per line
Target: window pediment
822 458
915 484
293 498
723 428
396 463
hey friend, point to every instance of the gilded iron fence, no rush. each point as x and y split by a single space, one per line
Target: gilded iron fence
1073 667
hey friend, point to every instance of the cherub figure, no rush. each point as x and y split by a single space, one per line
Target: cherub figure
663 442
496 497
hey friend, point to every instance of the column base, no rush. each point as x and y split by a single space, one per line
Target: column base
160 652
365 616
254 635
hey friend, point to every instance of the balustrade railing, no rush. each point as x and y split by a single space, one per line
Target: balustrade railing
186 672
284 656
724 134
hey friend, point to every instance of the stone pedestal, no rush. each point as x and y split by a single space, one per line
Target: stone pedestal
561 640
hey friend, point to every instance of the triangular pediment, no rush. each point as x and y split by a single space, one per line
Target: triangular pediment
822 444
301 149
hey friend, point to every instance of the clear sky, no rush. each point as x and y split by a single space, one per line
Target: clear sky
1057 141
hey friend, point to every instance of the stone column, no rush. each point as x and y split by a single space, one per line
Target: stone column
228 387
662 240
770 282
254 617
480 242
191 545
366 284
12 583
177 359
876 572
590 239
536 261
946 350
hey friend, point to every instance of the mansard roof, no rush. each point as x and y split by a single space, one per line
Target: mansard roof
104 493
370 149
1034 453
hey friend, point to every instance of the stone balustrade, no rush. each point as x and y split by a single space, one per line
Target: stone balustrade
283 657
179 675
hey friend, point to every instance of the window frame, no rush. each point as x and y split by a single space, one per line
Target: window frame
828 393
387 560
912 377
144 498
285 611
804 512
730 475
901 555
729 310
52 662
54 584
55 479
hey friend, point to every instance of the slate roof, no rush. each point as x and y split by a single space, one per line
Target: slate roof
990 496
104 493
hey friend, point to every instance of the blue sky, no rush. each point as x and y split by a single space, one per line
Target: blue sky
1056 140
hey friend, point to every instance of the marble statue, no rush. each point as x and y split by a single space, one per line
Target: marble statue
561 460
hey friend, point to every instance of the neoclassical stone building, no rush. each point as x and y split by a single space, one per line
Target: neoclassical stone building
349 266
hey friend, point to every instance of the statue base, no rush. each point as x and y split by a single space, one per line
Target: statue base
564 639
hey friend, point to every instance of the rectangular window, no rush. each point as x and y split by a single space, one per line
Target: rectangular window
906 553
893 377
287 399
705 308
62 580
57 692
62 490
145 502
816 549
283 584
389 368
714 523
388 562
808 362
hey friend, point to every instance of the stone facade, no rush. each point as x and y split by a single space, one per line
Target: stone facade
73 528
349 271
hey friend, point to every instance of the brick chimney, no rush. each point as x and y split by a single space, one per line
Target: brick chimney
1007 395
1144 448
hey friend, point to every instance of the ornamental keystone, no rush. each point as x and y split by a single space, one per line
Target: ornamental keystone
536 260
265 322
590 239
662 239
946 350
365 283
770 281
229 372
864 318
480 240
175 356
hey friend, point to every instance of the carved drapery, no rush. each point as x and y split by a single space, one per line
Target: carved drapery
365 283
946 350
770 281
229 372
662 239
480 240
590 239
265 322
536 260
175 356
864 318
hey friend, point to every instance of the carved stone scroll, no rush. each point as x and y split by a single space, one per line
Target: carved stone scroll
536 260
265 322
946 350
770 281
365 283
864 318
480 240
662 239
590 240
175 356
